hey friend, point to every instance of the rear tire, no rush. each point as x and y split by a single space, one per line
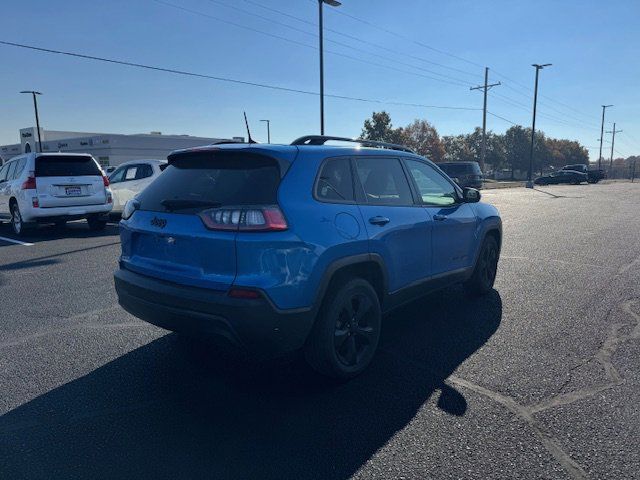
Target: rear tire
484 273
17 224
97 223
347 330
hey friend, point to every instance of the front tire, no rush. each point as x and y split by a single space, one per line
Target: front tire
484 273
347 330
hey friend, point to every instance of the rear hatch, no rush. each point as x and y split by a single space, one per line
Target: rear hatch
69 181
185 225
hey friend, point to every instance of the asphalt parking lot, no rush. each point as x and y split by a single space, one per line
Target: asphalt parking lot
539 379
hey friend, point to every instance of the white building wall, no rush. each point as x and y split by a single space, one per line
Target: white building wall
108 149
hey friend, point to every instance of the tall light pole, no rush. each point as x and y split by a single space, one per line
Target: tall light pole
533 126
604 107
35 107
333 3
268 130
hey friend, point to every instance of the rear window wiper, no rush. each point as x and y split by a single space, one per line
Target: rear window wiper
172 204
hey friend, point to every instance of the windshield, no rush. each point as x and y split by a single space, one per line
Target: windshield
66 166
197 181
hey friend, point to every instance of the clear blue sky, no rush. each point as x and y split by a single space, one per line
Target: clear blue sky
593 45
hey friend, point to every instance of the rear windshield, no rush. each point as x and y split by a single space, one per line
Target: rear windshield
203 180
453 169
63 166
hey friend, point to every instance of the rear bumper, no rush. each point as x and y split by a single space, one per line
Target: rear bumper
31 214
253 326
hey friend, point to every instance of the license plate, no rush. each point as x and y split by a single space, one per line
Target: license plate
71 191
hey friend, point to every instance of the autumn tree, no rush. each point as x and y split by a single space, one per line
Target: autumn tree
423 138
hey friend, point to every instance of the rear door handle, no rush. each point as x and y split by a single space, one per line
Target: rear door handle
439 217
379 220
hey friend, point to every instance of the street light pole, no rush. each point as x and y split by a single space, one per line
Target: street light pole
604 107
35 107
333 3
533 126
268 130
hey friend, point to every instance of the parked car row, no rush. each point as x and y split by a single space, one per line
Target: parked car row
271 249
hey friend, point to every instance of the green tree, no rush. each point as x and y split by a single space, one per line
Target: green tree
380 129
516 146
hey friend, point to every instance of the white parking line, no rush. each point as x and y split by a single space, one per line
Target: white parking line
11 240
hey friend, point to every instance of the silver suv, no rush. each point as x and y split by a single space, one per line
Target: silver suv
53 188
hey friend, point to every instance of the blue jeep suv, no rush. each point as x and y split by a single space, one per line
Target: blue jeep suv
276 248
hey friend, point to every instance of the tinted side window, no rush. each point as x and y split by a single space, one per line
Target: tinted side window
335 181
3 172
12 170
145 170
117 175
20 167
383 181
433 187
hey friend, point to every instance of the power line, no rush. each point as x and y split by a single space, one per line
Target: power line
527 88
451 80
357 39
553 118
404 37
501 118
225 79
313 34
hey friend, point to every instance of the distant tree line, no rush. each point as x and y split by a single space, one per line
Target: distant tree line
509 151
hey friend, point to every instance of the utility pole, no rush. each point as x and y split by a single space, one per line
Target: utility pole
35 107
486 88
613 139
533 126
604 107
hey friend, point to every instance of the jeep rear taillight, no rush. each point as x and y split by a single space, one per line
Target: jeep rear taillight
245 219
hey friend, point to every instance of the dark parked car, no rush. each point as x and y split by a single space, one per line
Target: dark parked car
562 176
593 175
465 174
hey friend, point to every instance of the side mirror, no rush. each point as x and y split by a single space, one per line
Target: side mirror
470 195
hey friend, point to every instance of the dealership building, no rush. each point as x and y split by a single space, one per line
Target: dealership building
109 149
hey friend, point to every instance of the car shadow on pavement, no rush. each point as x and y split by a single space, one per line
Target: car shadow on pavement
44 233
170 409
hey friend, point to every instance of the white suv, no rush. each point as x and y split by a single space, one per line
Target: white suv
130 178
53 188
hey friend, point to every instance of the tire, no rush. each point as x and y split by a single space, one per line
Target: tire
96 224
17 224
346 333
484 272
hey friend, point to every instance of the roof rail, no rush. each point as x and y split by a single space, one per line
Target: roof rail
322 139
